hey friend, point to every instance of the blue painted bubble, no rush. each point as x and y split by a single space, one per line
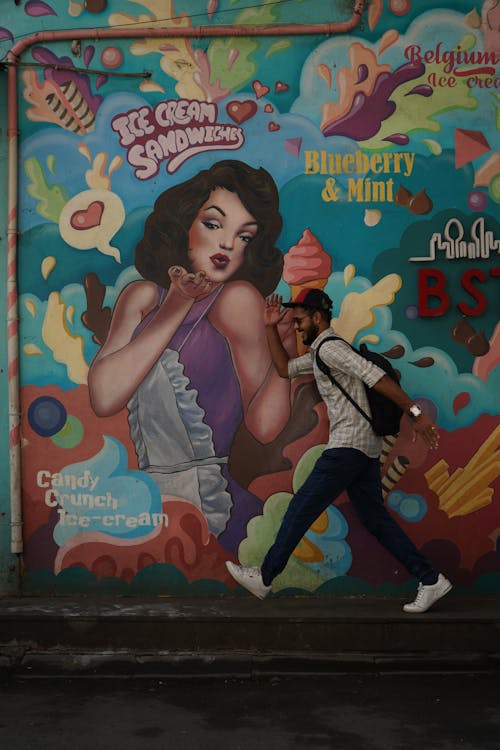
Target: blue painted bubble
46 416
411 312
336 553
409 507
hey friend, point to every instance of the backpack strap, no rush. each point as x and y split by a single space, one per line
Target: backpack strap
324 368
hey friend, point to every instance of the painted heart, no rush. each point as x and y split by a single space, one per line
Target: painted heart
280 86
269 108
260 89
273 126
241 111
88 218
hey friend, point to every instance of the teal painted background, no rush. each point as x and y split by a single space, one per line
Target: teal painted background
468 408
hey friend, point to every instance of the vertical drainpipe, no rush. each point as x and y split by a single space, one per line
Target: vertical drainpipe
16 537
12 133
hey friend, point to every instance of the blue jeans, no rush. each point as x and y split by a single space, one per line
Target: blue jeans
336 470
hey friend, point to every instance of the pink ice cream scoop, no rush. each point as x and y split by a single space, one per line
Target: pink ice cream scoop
307 264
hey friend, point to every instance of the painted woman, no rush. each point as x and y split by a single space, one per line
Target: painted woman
186 350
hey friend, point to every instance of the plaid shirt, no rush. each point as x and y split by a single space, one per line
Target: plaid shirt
348 428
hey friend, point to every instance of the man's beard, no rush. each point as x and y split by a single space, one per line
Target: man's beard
311 334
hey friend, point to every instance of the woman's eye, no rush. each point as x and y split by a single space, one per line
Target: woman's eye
246 237
211 224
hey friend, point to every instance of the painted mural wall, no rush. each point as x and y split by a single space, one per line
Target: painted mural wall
166 186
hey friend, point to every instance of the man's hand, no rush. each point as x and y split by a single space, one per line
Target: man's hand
422 425
275 317
273 314
274 321
428 431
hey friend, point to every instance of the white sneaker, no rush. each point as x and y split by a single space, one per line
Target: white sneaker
428 595
249 578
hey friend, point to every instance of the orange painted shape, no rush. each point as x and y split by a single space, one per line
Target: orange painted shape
374 12
321 523
469 145
488 170
307 552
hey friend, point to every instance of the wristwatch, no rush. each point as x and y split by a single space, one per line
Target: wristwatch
415 411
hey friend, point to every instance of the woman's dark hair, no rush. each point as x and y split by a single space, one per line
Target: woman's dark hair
165 240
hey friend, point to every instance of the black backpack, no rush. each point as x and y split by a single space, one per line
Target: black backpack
386 415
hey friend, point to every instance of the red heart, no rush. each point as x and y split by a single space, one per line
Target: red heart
279 86
273 126
241 111
269 108
88 218
260 89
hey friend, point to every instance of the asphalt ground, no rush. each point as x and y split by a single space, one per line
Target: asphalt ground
384 711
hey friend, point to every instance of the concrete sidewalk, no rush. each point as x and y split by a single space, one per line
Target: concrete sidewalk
307 712
245 636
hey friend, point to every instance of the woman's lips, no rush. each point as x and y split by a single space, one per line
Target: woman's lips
219 260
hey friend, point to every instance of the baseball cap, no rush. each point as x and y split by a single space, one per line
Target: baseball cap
309 297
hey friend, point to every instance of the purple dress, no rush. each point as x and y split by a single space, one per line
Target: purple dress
183 418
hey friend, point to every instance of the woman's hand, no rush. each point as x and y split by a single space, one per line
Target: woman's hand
190 285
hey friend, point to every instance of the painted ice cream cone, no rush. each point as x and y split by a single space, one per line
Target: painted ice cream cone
313 284
306 265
